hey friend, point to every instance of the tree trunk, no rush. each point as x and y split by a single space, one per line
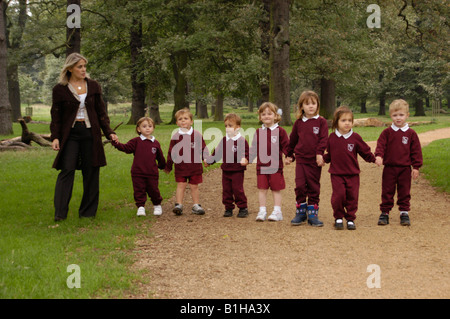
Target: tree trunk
202 109
327 98
73 35
250 105
264 25
418 102
5 106
218 114
382 97
363 104
154 110
179 63
14 91
138 85
279 58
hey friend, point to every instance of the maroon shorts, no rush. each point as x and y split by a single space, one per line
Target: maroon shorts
273 181
194 179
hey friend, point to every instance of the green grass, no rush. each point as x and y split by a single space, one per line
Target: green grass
35 251
436 168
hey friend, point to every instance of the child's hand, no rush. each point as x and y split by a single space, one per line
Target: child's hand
244 161
378 160
288 160
166 171
205 163
319 160
415 173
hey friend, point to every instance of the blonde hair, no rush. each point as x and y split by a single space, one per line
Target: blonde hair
71 60
233 117
272 107
143 119
337 115
305 97
398 105
183 111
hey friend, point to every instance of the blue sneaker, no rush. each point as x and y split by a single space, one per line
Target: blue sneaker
300 215
313 219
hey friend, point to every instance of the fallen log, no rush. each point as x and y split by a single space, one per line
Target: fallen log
23 142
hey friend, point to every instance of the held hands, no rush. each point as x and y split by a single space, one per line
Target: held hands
244 161
288 160
379 161
114 138
319 160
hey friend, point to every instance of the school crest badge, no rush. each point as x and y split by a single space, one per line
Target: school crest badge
315 130
193 145
154 150
405 140
234 148
350 147
273 139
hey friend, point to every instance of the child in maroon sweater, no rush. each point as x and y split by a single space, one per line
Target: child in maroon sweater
398 148
148 158
233 151
343 148
187 151
269 143
308 141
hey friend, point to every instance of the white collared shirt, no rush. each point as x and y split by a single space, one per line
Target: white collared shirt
396 128
346 136
304 118
234 138
271 128
189 132
152 138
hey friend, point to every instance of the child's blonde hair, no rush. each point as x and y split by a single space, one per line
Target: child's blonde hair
184 111
337 115
306 96
398 105
233 117
143 119
272 107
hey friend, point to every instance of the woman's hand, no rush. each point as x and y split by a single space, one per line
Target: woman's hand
55 144
114 138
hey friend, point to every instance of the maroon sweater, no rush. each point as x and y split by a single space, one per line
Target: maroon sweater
230 153
343 154
308 139
398 148
146 154
268 146
186 153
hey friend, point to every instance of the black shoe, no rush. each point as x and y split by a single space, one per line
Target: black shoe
338 225
384 219
243 212
404 219
351 225
228 213
178 209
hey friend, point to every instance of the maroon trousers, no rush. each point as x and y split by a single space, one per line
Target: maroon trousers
307 183
396 177
143 185
344 198
233 190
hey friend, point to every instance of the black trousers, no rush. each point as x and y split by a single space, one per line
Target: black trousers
77 153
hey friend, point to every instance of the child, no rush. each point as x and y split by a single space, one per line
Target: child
269 142
398 148
144 171
308 141
186 150
233 151
343 148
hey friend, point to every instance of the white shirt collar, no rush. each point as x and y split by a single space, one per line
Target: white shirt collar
180 131
396 128
346 136
152 138
234 138
271 128
304 118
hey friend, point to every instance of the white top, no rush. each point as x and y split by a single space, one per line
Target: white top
81 114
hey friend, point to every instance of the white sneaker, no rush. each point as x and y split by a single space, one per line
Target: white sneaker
261 216
141 211
157 210
276 216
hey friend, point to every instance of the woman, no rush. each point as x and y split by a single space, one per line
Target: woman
78 117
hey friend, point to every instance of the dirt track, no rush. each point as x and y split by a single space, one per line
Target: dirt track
211 256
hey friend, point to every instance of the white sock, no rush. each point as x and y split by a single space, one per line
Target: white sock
277 208
262 208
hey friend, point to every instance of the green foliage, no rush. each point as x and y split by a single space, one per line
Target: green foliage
435 167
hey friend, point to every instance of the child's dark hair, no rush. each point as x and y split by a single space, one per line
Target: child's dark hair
143 119
338 113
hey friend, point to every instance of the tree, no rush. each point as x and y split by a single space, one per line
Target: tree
5 107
